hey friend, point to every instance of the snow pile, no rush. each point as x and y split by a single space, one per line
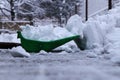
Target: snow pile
105 22
113 45
108 26
5 37
102 33
90 30
75 25
94 35
44 33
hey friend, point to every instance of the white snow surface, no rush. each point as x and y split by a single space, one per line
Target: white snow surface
75 25
5 37
19 51
110 31
94 34
44 33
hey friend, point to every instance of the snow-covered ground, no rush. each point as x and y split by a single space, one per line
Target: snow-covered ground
9 37
100 61
57 66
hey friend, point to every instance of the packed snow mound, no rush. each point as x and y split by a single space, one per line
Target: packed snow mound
105 29
75 25
44 33
93 34
113 45
107 22
5 37
98 27
114 36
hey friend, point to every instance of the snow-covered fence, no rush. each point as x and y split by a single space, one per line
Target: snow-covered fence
13 25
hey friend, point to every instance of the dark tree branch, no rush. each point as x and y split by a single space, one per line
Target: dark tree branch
8 1
4 13
5 9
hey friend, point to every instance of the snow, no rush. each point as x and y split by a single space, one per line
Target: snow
102 33
109 23
19 52
104 30
44 33
5 37
113 45
55 66
100 61
75 25
93 34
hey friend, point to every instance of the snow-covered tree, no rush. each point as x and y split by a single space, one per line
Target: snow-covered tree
31 10
59 8
21 9
8 8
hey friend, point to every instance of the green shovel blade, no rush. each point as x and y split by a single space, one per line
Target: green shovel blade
36 46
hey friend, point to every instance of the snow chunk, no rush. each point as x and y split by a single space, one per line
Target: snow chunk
75 25
91 55
61 32
19 52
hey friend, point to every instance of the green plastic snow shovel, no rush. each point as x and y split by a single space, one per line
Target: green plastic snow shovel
36 46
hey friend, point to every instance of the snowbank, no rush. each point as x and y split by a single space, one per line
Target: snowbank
101 31
113 45
44 33
109 29
94 35
90 30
